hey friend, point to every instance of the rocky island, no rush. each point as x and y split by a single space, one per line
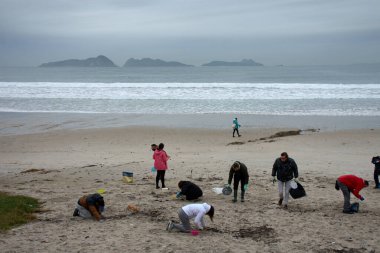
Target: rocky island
100 61
244 62
148 62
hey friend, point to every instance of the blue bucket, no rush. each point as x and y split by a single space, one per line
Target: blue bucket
128 177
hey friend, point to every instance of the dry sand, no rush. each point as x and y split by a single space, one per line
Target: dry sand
71 163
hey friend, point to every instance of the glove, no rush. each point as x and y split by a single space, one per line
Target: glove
229 185
362 198
178 195
245 187
296 180
274 180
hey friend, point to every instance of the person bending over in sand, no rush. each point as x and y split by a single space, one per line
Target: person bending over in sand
90 206
347 184
189 190
196 211
239 172
286 169
160 164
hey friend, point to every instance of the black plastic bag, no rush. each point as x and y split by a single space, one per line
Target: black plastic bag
354 207
298 192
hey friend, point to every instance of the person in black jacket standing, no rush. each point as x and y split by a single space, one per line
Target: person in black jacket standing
239 172
376 172
190 190
286 169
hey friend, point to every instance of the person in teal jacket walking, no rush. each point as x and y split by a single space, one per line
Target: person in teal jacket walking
236 126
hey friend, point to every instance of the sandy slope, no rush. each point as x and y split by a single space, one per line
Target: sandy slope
82 161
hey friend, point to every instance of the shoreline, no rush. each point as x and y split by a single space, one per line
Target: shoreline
17 123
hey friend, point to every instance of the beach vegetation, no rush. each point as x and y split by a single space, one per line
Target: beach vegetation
16 210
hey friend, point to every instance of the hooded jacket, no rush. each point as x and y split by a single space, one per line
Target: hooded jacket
285 171
236 123
353 183
191 190
197 211
160 159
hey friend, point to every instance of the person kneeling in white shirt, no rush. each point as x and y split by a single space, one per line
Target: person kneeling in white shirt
186 213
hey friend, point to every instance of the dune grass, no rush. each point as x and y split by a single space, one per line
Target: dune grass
16 210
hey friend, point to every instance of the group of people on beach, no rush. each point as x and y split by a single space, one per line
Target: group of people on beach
284 172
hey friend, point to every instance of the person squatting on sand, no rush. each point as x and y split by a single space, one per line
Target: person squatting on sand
90 206
235 127
160 164
239 172
286 169
376 172
189 190
196 211
347 184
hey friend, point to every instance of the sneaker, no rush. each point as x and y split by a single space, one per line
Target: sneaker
285 206
234 200
76 212
280 202
169 226
348 212
242 200
157 187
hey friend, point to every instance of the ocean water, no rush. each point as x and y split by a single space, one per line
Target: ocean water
314 90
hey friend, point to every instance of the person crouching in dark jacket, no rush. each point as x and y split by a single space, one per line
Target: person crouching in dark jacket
90 206
190 190
286 169
239 172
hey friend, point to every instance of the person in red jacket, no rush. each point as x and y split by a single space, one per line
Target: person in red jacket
348 184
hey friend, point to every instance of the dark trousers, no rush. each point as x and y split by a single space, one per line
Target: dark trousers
237 179
346 194
235 130
376 174
160 176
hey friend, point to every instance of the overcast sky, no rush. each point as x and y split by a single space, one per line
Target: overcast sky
272 32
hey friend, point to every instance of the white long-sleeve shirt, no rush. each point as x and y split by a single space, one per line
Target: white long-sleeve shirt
197 211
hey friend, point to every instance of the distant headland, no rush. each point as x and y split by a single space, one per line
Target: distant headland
100 61
244 62
103 61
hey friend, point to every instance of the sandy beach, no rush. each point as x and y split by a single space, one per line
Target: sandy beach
59 166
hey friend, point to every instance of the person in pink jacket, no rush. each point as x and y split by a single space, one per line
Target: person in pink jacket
161 164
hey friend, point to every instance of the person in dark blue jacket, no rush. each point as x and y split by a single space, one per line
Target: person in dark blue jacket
190 190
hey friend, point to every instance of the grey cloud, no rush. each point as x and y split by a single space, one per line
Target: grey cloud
270 31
